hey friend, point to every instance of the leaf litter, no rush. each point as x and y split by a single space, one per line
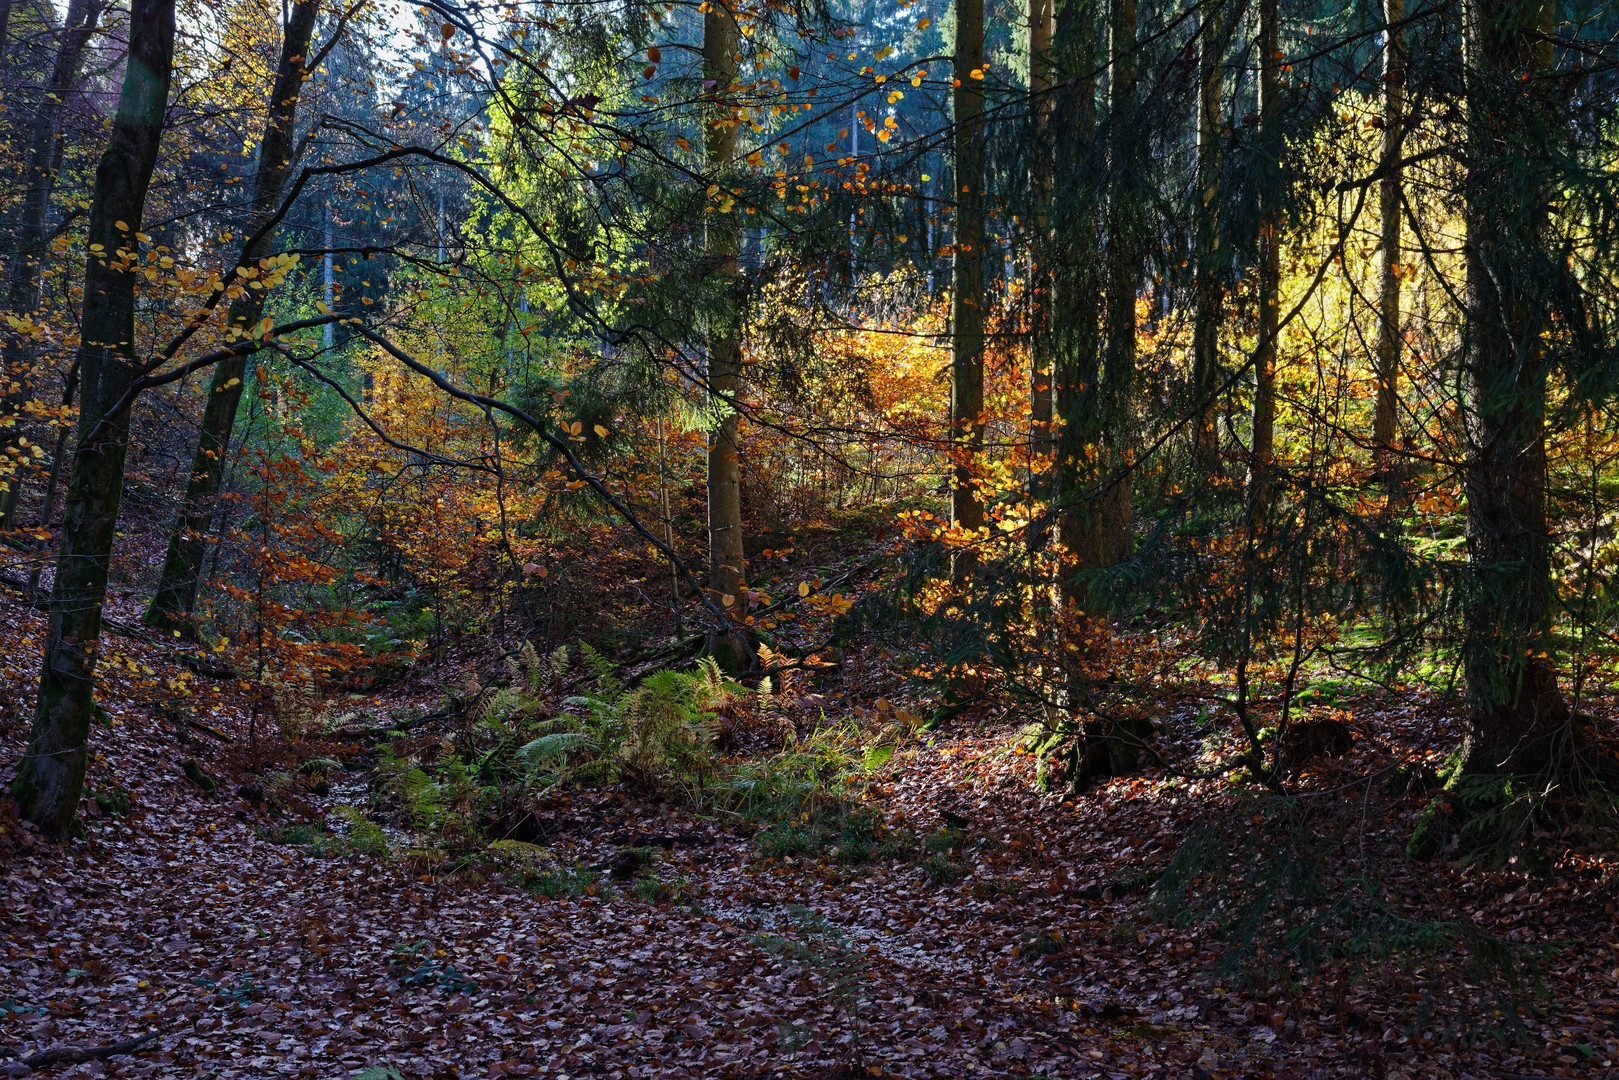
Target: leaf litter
178 914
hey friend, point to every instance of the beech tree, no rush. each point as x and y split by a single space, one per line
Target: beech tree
176 593
32 232
51 774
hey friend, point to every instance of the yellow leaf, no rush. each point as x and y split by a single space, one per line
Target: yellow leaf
803 588
601 431
121 226
923 24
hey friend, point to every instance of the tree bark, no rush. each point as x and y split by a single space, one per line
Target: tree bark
727 563
1076 290
1518 721
1109 537
1269 283
1210 265
967 284
50 777
1042 24
1385 420
176 594
22 286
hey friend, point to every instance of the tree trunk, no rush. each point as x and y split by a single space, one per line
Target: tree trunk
53 488
176 595
967 284
50 777
33 238
727 563
1109 540
1076 294
1518 721
1210 265
1042 24
1270 251
1385 422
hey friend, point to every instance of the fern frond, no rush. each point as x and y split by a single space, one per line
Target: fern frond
554 747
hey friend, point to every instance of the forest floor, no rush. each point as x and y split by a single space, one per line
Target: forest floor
255 959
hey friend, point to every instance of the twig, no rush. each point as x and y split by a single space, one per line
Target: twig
75 1055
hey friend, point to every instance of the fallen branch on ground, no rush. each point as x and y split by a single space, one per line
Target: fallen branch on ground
75 1055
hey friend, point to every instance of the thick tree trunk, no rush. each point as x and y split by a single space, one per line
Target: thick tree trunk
727 564
33 236
1270 251
967 273
51 775
176 595
1384 421
1518 722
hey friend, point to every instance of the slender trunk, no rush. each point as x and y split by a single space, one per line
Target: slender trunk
33 235
967 284
727 564
328 279
1518 720
1384 423
1109 540
176 594
1210 263
1076 292
53 486
1042 24
1270 268
50 777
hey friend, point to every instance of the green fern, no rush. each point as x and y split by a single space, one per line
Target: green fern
422 796
604 671
554 748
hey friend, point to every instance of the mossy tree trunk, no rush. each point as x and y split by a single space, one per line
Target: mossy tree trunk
51 775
